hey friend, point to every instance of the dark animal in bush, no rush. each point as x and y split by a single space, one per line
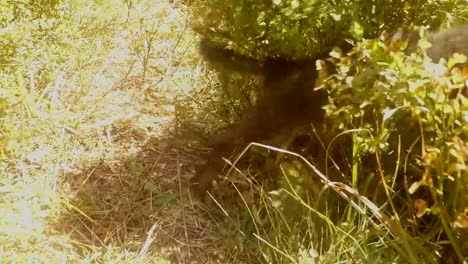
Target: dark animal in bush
290 98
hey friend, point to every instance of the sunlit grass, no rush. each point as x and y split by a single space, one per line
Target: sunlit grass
89 110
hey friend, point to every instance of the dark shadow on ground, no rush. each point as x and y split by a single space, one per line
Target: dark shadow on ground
118 201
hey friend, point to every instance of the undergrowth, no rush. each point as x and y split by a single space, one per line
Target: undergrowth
383 181
105 110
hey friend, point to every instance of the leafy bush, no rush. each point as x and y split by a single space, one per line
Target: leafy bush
410 117
301 29
295 29
397 133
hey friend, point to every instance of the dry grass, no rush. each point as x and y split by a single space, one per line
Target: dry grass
130 173
98 176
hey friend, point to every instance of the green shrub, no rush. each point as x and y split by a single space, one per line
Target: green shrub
292 28
411 116
397 133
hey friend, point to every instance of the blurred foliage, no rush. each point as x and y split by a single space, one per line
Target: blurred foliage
29 10
31 37
36 43
296 29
